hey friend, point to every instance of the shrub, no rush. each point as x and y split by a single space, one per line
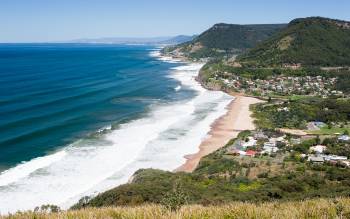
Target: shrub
263 175
47 209
174 199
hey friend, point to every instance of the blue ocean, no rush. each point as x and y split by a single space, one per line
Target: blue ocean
77 119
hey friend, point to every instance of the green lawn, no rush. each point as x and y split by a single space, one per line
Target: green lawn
298 97
332 131
290 97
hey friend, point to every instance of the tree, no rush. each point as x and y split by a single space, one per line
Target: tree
47 209
318 140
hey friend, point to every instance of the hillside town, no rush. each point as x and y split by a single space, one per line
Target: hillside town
258 144
280 85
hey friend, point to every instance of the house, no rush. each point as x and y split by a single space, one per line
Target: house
334 157
281 139
260 135
344 138
303 155
285 109
318 149
250 143
242 153
315 159
270 144
319 124
269 149
315 125
250 153
295 140
346 163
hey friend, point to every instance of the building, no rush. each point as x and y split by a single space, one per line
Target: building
269 149
250 143
270 144
260 135
315 159
334 157
344 138
346 163
318 149
295 140
250 153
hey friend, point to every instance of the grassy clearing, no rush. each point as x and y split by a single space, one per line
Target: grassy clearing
332 131
317 208
298 97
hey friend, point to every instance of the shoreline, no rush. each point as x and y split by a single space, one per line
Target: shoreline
224 128
237 118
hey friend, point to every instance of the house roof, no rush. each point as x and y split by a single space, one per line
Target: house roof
316 159
250 152
318 148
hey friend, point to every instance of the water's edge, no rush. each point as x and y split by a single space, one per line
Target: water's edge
88 167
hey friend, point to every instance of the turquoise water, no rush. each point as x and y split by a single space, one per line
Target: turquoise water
54 94
76 120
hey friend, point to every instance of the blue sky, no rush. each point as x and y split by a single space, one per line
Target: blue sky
50 20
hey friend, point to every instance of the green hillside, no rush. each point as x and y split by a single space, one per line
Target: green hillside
223 178
223 39
309 41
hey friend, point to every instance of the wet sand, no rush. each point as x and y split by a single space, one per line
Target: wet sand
238 118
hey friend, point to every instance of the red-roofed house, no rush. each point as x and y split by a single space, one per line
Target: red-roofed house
250 153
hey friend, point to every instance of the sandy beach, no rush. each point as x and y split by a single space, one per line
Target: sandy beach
237 119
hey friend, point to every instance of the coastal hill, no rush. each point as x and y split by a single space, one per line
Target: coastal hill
312 41
177 39
223 39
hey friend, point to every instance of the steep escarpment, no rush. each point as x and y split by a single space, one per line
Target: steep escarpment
313 41
224 39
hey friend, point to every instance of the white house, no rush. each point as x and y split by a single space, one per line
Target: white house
318 149
315 159
269 150
270 144
250 143
295 140
344 138
346 163
334 157
260 135
270 147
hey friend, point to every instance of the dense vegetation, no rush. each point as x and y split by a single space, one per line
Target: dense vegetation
295 114
313 41
316 208
222 178
334 146
223 39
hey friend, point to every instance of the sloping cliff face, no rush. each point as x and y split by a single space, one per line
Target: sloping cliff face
313 41
224 39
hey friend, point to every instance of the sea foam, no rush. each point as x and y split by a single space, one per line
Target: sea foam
92 165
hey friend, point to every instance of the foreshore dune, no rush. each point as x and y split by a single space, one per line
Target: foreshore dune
237 119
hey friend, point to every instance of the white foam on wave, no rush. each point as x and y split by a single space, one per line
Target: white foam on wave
24 169
89 166
177 88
